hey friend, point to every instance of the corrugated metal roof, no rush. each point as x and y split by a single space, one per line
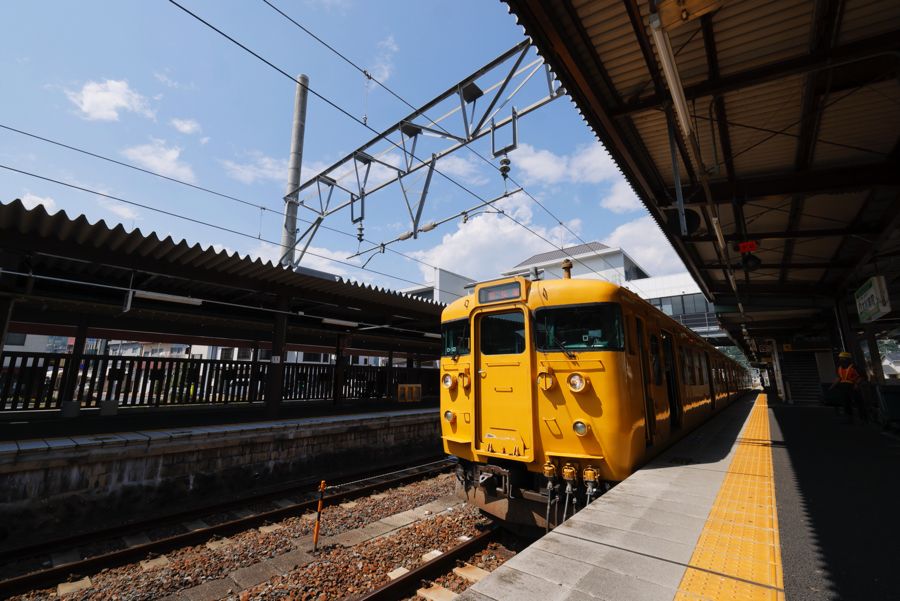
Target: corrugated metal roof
782 92
559 255
248 272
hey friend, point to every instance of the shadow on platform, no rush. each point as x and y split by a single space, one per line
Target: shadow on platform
837 491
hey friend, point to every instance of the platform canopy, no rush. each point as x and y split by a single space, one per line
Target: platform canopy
120 284
787 136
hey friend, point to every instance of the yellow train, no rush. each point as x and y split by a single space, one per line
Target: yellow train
552 391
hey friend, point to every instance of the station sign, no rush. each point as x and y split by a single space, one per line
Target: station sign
872 299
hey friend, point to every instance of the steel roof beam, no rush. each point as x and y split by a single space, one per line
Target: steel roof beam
832 179
828 18
855 51
784 235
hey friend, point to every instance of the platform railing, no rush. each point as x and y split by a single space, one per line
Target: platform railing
38 381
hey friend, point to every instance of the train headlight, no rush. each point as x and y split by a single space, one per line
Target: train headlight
576 382
580 428
449 416
448 381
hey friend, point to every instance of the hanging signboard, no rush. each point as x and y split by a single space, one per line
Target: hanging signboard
872 299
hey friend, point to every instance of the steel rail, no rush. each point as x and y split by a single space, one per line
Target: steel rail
90 565
406 585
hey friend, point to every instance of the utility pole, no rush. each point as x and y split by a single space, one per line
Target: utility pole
291 200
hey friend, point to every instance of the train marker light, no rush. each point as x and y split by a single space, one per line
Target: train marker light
465 380
545 380
580 428
448 381
449 416
576 382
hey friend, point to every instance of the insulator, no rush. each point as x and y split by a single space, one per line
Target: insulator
359 232
504 166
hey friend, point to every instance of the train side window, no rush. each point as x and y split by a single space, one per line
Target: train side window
703 367
655 362
629 335
503 333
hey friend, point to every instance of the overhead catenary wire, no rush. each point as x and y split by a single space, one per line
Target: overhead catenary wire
211 225
399 147
243 201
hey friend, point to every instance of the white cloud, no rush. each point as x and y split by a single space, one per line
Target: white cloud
259 167
642 239
316 257
102 101
163 78
466 169
621 199
122 211
337 6
186 126
488 243
589 164
204 140
156 156
32 200
383 66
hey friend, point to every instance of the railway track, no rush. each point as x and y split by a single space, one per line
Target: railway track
336 494
407 585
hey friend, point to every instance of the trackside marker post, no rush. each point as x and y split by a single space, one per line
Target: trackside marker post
318 515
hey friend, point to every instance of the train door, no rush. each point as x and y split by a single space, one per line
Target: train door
672 388
504 407
649 412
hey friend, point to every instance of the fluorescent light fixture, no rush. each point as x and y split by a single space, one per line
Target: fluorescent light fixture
717 228
339 322
431 335
167 298
670 71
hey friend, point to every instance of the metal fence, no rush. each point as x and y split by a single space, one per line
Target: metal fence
702 323
34 381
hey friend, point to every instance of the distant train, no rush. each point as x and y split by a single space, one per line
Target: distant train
552 391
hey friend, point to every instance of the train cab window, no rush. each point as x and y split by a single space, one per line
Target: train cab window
655 361
503 333
592 327
455 337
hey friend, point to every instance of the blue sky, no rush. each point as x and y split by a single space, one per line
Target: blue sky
145 83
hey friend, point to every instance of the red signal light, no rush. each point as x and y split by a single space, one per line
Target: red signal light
747 247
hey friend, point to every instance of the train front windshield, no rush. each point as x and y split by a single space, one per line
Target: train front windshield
591 327
455 337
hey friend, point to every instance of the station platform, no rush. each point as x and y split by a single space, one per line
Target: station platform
92 481
762 502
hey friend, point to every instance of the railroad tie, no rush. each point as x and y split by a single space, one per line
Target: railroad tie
436 592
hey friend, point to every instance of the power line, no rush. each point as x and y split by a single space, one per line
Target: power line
211 225
369 76
194 186
370 128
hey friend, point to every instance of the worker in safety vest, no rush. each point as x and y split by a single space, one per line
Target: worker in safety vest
847 381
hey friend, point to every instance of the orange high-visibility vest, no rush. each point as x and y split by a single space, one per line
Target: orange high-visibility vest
848 375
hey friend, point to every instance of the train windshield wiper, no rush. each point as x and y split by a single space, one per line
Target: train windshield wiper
563 348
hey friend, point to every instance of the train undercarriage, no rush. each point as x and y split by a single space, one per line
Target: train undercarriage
524 499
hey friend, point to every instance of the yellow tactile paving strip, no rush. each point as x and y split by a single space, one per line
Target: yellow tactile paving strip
738 555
